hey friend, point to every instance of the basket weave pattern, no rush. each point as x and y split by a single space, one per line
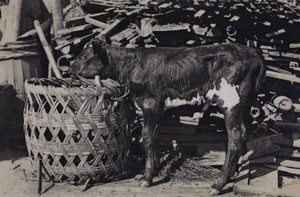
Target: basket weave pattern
78 134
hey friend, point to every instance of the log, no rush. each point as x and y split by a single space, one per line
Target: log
47 49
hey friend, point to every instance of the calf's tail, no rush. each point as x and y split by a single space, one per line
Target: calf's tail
261 74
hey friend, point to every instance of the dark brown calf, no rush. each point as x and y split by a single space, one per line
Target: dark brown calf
229 75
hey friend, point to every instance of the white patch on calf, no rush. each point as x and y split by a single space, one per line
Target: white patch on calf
169 103
227 93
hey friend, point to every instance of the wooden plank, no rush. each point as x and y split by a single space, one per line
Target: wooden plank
259 152
109 30
75 21
177 130
288 152
264 141
286 77
291 139
264 159
275 33
284 169
6 55
66 31
259 142
296 139
124 35
170 27
288 163
95 22
200 137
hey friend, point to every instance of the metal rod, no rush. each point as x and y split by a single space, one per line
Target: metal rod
40 177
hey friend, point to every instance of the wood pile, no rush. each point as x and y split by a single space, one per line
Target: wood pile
271 26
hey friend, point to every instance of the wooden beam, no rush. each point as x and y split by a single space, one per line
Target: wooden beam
95 22
264 141
109 30
259 152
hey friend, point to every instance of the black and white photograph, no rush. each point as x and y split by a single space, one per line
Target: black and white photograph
138 98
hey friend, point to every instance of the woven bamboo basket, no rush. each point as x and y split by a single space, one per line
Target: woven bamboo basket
80 133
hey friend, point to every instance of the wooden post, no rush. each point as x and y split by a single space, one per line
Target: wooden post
12 28
57 15
47 48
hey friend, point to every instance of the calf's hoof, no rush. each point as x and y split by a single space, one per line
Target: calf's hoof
213 192
144 183
138 177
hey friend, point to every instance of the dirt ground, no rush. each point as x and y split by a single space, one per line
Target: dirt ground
13 183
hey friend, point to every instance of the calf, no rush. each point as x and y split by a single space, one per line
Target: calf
228 75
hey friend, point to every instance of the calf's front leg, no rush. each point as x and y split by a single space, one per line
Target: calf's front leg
151 123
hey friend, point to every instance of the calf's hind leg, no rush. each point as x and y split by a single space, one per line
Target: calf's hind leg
235 120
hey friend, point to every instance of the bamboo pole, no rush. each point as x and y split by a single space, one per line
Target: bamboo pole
57 15
32 33
47 48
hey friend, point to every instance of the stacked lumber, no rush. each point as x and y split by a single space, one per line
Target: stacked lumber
272 159
270 166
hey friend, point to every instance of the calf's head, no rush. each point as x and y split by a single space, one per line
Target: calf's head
89 63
